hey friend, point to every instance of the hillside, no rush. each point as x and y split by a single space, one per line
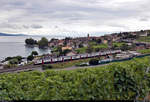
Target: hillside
120 81
4 34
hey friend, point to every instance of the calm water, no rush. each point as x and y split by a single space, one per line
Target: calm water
15 45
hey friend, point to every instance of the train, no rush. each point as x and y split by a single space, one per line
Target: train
50 60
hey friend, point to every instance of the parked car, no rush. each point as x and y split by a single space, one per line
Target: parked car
83 64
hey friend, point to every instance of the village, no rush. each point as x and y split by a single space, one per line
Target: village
124 41
127 43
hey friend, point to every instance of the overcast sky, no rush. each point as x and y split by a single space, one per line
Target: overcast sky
70 17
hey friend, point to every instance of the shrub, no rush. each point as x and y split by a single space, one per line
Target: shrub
119 81
43 42
30 58
93 62
14 61
34 53
30 41
45 67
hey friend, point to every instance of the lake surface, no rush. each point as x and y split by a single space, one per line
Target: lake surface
15 45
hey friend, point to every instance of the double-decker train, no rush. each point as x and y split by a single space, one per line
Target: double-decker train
49 60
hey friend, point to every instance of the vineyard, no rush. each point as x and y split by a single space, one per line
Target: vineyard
127 80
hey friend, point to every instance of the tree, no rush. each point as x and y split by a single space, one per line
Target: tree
99 41
124 47
14 61
43 42
30 58
93 62
89 49
19 58
30 41
53 39
45 67
81 45
97 49
34 53
8 58
65 52
68 38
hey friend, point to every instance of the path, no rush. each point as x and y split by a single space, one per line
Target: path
39 68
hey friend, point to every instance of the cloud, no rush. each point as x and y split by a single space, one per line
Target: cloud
73 16
144 19
34 26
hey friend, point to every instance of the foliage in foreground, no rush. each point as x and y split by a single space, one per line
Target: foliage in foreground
126 80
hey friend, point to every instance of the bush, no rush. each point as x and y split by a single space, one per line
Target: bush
30 41
30 58
19 58
119 81
43 42
8 58
93 62
45 67
14 61
34 53
16 57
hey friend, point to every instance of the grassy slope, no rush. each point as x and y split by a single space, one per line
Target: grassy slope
94 47
70 63
118 44
144 51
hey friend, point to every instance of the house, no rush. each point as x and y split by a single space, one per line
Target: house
148 46
5 63
67 47
61 43
143 34
133 33
51 44
105 41
1 66
123 55
134 53
141 47
71 53
129 44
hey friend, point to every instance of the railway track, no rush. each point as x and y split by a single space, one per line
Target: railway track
32 67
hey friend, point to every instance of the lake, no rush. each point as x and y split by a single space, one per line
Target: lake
15 45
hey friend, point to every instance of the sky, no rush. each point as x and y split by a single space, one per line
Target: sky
73 17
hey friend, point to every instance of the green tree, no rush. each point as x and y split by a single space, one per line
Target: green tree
30 41
19 58
14 61
99 41
65 52
93 62
34 53
89 49
43 42
81 45
8 58
125 47
30 58
45 67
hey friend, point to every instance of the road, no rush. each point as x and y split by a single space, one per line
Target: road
39 68
24 68
74 67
